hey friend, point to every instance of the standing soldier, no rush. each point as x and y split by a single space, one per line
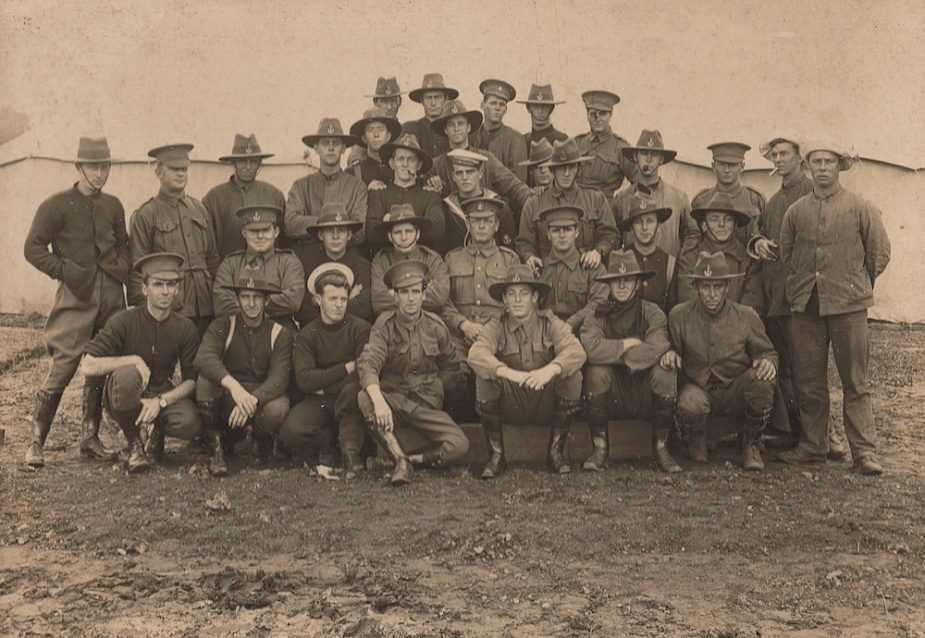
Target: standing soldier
373 130
89 256
386 98
138 351
494 135
433 96
540 105
404 370
174 222
240 190
610 167
528 367
834 246
625 338
261 260
244 366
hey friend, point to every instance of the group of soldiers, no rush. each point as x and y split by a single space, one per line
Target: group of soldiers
502 272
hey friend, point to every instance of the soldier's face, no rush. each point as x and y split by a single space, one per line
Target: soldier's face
246 169
494 109
624 288
375 135
330 150
160 292
541 175
483 228
823 166
727 173
404 237
405 164
786 159
433 102
389 104
648 162
564 176
260 239
539 115
520 300
644 228
562 238
719 225
457 130
410 299
93 176
467 179
599 120
712 293
333 304
252 304
172 179
335 240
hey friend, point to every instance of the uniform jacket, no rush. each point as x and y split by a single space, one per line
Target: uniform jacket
472 270
604 347
280 267
574 292
506 144
431 143
549 133
608 169
224 200
308 194
671 232
662 289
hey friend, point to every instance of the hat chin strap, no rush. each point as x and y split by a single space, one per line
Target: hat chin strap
94 190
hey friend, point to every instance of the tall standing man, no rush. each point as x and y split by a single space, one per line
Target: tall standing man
504 142
172 221
540 105
386 98
609 167
433 96
834 246
89 256
373 130
240 190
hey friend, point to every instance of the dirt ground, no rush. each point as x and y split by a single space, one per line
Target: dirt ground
87 550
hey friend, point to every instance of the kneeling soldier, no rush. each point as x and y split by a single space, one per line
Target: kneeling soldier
726 357
138 350
244 365
526 362
411 356
326 353
624 339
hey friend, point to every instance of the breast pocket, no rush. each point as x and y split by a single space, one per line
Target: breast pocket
461 281
167 236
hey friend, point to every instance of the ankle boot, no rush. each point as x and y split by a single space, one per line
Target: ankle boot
754 425
600 434
46 405
562 418
154 446
138 461
352 463
263 448
490 412
213 433
696 438
663 408
428 458
403 471
90 445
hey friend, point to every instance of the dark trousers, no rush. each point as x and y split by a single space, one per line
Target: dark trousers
122 397
747 394
309 422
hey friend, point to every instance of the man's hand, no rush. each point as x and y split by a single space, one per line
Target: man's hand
143 370
591 259
671 360
514 376
434 183
238 418
537 379
470 329
150 408
376 185
765 370
244 400
355 291
631 342
351 367
538 190
356 161
764 248
383 413
535 263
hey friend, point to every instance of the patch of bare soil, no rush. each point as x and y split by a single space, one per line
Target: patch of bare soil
87 550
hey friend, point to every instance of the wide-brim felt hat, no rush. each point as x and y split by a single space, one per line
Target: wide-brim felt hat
712 267
334 215
432 82
386 87
518 274
330 127
409 142
622 264
399 214
452 109
326 268
540 153
845 159
358 128
649 141
93 150
565 152
722 203
643 205
244 148
541 94
255 284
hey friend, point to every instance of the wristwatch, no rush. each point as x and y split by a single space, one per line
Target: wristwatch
161 401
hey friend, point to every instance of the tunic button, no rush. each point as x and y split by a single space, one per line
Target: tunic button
478 285
479 268
478 302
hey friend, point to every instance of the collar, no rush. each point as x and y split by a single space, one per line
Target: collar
570 259
250 256
260 328
710 315
330 178
416 253
239 187
527 324
795 181
733 192
603 137
405 322
487 251
170 198
646 188
569 194
829 195
732 246
151 318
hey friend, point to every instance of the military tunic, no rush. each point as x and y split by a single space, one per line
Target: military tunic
671 233
574 292
371 169
506 144
308 194
608 169
279 267
224 200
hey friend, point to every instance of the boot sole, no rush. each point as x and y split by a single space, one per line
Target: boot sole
93 456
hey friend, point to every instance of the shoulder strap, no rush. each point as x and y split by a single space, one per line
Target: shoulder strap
669 272
231 323
274 333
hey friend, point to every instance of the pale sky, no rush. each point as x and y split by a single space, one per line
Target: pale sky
147 73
